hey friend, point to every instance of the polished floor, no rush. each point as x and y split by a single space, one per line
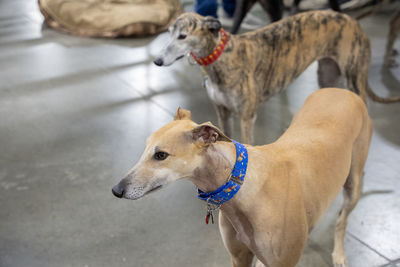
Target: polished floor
74 115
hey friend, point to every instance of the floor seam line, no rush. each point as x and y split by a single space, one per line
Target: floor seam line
141 94
396 260
368 246
105 69
123 81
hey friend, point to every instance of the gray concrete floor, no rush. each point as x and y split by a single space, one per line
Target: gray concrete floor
74 115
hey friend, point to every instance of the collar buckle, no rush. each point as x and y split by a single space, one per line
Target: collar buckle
227 191
236 180
211 208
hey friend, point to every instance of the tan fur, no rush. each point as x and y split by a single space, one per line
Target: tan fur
289 184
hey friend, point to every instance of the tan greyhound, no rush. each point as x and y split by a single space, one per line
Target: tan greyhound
288 185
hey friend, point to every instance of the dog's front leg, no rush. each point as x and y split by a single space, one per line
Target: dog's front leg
240 253
247 128
225 119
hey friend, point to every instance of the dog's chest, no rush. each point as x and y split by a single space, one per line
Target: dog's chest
220 97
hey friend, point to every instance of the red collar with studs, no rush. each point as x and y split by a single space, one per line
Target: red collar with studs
216 53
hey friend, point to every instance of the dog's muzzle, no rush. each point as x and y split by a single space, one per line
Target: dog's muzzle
125 189
118 191
159 61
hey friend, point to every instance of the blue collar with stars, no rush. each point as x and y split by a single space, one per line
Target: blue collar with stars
232 186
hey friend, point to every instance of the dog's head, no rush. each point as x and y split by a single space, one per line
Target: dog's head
173 152
189 33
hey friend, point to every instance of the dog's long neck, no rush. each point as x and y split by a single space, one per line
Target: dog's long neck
220 65
220 160
218 164
210 44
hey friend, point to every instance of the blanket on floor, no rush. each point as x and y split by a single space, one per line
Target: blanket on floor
110 18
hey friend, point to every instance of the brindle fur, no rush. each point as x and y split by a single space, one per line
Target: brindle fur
258 64
394 30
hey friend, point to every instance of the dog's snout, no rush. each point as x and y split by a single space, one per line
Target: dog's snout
118 190
159 61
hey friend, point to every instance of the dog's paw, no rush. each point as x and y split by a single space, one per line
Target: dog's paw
339 260
340 263
258 263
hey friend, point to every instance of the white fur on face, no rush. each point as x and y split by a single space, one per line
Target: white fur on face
160 177
149 174
174 50
134 192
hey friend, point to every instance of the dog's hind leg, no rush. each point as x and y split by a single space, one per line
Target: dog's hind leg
356 68
351 192
240 253
357 82
225 119
328 73
394 30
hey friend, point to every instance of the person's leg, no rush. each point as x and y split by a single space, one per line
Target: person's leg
229 7
206 7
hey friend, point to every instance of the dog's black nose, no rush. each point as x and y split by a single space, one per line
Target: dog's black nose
159 61
118 191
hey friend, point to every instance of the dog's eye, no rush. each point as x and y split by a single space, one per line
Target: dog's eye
181 36
160 155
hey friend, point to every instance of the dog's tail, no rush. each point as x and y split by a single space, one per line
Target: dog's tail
375 9
379 99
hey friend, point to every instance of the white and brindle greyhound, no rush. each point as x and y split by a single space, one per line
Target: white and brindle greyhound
246 69
270 197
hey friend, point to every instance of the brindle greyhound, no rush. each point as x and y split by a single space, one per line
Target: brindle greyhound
256 65
286 186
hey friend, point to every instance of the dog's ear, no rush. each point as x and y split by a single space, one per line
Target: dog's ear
182 114
212 24
208 133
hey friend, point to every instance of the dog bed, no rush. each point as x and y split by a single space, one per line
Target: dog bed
110 18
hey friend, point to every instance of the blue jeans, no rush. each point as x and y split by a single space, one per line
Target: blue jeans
209 7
